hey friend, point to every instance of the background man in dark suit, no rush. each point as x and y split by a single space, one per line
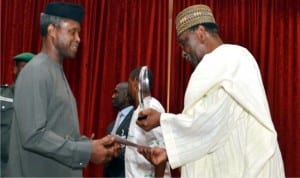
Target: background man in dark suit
124 104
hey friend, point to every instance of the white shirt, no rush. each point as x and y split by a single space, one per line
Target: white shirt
120 118
225 128
136 166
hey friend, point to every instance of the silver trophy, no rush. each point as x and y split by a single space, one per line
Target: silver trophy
144 90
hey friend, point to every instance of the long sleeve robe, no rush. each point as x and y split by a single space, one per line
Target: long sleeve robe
225 129
45 135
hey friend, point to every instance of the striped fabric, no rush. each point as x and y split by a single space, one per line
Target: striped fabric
225 130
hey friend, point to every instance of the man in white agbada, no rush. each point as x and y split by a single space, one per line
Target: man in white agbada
225 129
136 165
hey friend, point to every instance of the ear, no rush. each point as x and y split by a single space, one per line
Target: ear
136 84
51 30
201 33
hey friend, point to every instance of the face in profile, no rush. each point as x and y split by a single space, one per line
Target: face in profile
132 88
119 96
67 38
193 48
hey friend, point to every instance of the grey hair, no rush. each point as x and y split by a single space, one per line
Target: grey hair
46 20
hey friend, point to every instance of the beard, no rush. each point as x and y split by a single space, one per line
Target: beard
193 59
67 54
65 49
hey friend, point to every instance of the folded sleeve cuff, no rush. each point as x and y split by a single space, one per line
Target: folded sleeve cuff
82 154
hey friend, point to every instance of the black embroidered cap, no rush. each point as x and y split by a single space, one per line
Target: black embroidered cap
65 10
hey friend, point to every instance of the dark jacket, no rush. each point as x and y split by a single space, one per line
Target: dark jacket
116 167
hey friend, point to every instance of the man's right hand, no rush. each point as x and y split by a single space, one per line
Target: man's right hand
152 119
103 150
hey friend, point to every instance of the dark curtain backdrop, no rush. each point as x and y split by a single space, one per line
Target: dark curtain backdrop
118 35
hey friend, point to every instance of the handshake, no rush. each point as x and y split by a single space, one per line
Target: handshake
104 149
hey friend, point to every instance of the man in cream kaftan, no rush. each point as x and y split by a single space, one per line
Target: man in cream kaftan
225 129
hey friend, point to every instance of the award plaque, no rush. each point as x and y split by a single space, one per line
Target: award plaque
144 90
